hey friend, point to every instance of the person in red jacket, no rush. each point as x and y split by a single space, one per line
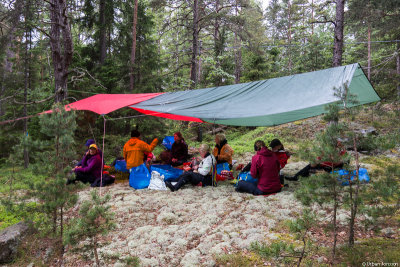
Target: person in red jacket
265 167
91 167
283 156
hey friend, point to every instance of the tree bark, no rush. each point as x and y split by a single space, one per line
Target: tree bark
195 41
133 51
61 46
369 53
238 51
289 37
26 78
398 68
102 39
338 39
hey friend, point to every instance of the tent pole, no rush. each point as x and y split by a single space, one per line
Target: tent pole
102 154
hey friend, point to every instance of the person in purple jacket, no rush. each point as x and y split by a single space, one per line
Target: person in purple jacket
91 167
265 167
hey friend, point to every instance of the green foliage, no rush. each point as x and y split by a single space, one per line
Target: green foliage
94 219
238 260
383 197
371 250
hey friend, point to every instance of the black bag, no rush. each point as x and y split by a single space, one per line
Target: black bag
107 180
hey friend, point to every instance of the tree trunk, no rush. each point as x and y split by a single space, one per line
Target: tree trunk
8 46
338 39
335 207
398 68
96 256
217 41
26 82
103 33
289 37
238 52
133 51
193 61
61 46
369 53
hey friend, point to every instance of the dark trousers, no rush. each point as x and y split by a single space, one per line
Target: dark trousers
84 177
305 172
194 178
247 187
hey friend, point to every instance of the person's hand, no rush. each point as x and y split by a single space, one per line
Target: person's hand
174 160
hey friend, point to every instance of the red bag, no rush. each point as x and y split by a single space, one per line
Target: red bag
226 175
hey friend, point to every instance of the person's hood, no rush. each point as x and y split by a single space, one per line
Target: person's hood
265 152
133 141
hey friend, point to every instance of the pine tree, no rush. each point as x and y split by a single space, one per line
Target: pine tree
53 194
94 219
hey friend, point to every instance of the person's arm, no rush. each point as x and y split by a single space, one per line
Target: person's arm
95 163
254 168
148 148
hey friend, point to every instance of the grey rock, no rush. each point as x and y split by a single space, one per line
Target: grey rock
388 231
10 238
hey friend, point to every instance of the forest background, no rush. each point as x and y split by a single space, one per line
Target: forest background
55 51
62 51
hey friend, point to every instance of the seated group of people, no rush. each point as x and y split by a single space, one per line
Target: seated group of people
265 165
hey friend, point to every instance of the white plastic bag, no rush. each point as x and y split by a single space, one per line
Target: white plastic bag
157 181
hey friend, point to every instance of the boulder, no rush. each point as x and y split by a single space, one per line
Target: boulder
10 238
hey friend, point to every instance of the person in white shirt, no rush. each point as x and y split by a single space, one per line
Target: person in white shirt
200 174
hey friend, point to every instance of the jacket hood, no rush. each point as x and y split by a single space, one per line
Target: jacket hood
133 141
265 152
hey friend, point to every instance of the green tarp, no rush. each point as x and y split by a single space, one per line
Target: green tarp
268 102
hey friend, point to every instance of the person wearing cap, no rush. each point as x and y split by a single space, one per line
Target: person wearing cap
87 144
91 167
135 148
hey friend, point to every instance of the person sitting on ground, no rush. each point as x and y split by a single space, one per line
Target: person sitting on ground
201 173
179 150
87 144
327 166
135 148
283 156
91 167
222 151
264 167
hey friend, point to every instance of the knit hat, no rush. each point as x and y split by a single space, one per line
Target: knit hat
89 142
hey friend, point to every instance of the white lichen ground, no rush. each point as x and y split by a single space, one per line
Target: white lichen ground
189 227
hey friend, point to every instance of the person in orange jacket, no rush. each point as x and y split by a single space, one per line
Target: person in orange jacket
222 151
135 148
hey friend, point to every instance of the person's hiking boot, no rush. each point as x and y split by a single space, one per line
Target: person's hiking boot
179 184
170 186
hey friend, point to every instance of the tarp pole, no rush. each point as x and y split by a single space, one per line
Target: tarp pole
102 154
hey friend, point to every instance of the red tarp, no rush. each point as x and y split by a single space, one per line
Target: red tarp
168 116
106 103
